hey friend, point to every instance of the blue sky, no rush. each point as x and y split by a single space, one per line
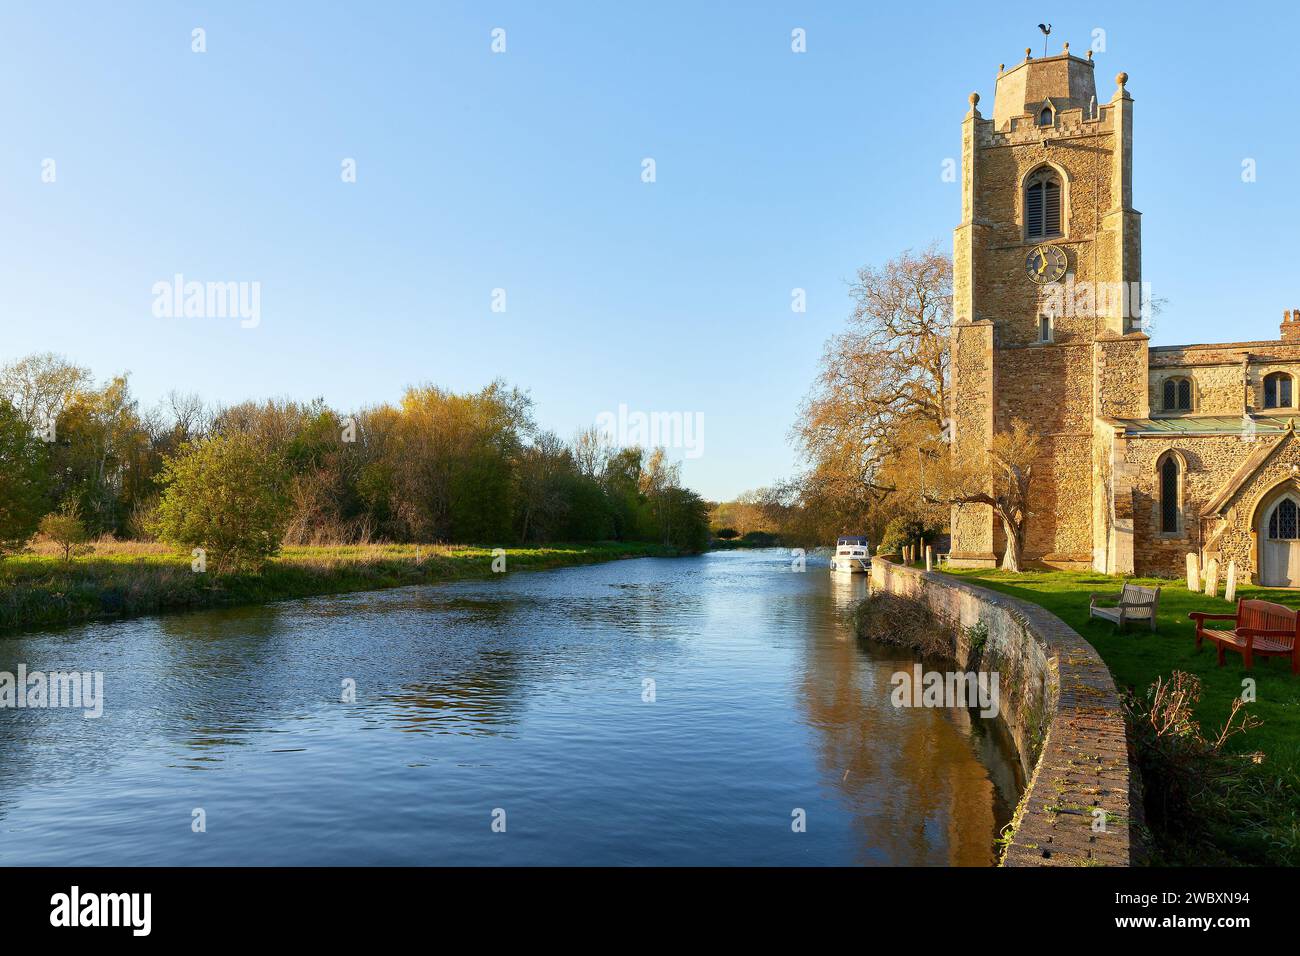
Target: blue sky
522 171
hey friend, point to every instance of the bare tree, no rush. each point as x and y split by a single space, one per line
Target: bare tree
999 477
190 416
591 450
903 316
884 381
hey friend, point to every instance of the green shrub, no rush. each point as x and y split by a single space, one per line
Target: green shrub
66 529
228 495
901 531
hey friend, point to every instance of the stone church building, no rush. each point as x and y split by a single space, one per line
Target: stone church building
1147 452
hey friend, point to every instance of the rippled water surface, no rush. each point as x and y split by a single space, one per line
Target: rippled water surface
524 694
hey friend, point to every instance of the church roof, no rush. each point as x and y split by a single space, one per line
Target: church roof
1252 464
1203 425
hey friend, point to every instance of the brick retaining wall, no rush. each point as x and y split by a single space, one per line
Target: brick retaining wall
1060 704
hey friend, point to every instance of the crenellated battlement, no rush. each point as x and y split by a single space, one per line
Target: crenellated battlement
1069 124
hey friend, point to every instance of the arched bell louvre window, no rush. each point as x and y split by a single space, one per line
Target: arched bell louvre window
1282 524
1277 390
1169 496
1043 213
1178 395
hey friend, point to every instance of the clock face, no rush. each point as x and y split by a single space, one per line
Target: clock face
1046 263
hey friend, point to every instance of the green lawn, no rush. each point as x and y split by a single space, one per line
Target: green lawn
123 579
1137 657
1247 816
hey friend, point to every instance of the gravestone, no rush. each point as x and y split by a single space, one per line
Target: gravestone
1212 577
1193 572
1230 592
929 558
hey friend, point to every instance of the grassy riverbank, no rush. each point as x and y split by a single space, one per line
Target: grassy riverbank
125 579
1255 819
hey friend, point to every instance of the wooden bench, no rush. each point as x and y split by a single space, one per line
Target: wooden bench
1259 628
1133 603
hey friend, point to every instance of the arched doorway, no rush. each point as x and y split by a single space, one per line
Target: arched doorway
1279 541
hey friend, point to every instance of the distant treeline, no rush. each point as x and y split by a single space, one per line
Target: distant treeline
437 467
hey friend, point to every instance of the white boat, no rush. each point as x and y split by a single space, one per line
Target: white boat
852 555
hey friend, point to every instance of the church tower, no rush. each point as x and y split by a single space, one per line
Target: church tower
1045 328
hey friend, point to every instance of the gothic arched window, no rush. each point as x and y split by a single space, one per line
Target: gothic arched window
1178 395
1043 213
1282 525
1277 390
1170 506
1045 117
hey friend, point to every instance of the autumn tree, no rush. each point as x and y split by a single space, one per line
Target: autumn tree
745 513
455 456
103 451
882 388
439 466
103 457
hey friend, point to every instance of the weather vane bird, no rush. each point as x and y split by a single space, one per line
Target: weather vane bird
1047 31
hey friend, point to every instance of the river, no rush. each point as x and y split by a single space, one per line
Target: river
705 710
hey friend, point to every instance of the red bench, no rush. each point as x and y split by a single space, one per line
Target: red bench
1260 628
